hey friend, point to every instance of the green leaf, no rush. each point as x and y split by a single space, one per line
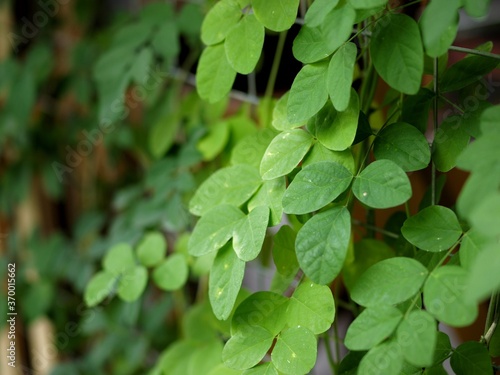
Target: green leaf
166 40
372 326
249 233
262 309
276 15
397 53
231 185
245 349
311 306
162 133
315 43
439 26
205 358
484 218
225 281
214 229
99 287
284 256
367 4
172 273
384 359
119 259
477 8
295 351
262 369
444 297
315 186
244 44
214 141
308 93
223 370
280 114
141 66
389 282
472 244
478 154
322 242
320 153
270 194
416 109
435 228
471 358
214 75
337 130
251 149
340 73
151 249
484 278
417 336
449 142
132 283
219 21
318 10
488 119
284 153
404 145
382 184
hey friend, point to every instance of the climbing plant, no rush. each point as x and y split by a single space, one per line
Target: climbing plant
300 185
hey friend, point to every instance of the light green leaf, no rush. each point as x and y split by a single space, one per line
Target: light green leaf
315 186
444 297
316 43
249 233
389 282
280 114
223 370
471 358
397 52
132 283
244 44
246 348
140 68
205 358
276 15
214 75
151 249
119 259
340 73
472 244
214 229
403 144
337 130
311 306
308 93
320 153
262 369
435 228
449 142
225 281
219 21
322 242
318 10
484 278
231 185
437 19
485 216
477 8
284 153
372 326
382 184
99 287
172 273
417 336
270 194
295 351
384 359
284 251
367 4
251 149
214 141
262 309
478 154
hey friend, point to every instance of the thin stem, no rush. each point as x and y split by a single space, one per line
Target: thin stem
375 229
328 349
474 52
276 65
452 104
435 124
492 318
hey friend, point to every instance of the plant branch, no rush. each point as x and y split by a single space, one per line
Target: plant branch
492 318
276 65
375 229
435 125
474 52
328 349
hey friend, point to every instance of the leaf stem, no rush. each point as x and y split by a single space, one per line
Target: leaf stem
375 229
276 65
474 52
328 349
492 318
435 125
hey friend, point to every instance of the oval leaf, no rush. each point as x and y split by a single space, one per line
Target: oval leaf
417 336
276 15
340 73
119 259
295 351
151 249
219 21
247 348
249 234
99 287
471 358
384 359
172 273
132 283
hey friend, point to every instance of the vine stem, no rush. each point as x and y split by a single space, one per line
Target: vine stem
474 52
435 125
375 229
276 64
328 348
492 319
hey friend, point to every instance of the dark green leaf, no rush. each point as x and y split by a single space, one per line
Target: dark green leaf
340 73
449 141
471 358
284 251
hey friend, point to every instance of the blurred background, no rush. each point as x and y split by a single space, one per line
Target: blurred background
101 141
